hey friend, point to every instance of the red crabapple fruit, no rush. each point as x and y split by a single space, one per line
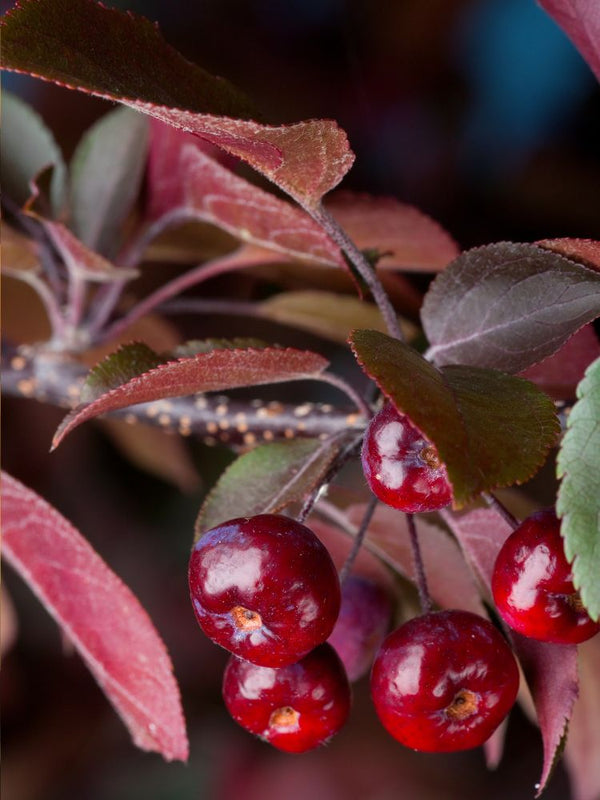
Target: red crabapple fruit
444 681
294 708
265 588
401 466
533 586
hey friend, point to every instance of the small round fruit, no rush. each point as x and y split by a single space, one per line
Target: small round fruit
444 681
265 588
533 586
401 466
363 622
294 708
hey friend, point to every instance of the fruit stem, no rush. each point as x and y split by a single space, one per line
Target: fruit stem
424 596
358 540
494 503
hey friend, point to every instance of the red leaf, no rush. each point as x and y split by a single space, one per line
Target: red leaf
413 240
101 616
80 261
583 744
585 250
205 190
580 20
121 56
205 372
550 669
559 374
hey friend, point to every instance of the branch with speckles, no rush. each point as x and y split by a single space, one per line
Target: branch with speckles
55 378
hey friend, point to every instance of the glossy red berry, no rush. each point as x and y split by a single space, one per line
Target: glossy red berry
264 588
444 681
363 622
402 466
533 586
294 708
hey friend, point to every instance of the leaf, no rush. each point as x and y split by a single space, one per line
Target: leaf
123 57
580 20
266 479
578 502
491 430
81 262
327 314
586 251
408 238
20 256
164 190
450 580
551 673
27 148
550 669
559 374
206 372
583 744
100 615
507 306
212 193
106 172
117 368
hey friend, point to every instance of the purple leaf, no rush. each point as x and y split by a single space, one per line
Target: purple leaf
580 20
559 374
205 372
123 57
507 306
100 615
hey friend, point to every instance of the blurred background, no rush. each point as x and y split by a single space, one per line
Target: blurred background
479 112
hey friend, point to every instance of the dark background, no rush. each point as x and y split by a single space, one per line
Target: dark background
479 112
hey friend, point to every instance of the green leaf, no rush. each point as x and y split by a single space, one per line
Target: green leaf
27 148
491 429
578 500
117 368
106 172
266 480
195 346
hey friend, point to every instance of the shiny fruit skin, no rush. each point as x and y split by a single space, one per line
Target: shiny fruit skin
265 588
444 681
294 708
401 466
363 622
533 586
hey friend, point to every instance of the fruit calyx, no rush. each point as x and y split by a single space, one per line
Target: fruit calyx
245 619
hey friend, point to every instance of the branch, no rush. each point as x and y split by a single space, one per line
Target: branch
57 379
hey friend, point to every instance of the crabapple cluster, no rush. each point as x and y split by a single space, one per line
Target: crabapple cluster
265 588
